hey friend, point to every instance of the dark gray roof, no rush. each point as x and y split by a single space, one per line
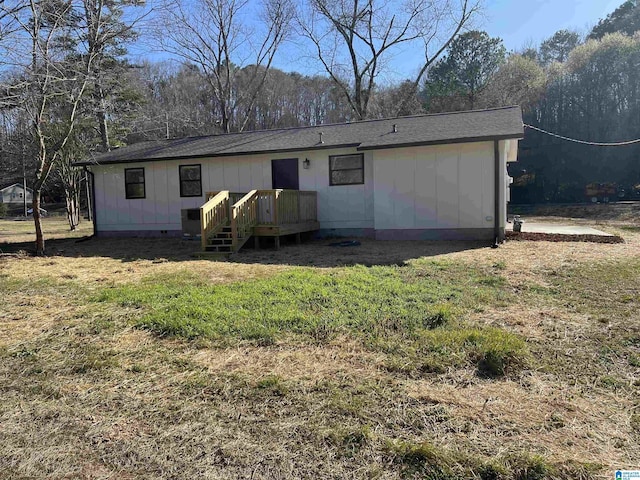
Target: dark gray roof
457 127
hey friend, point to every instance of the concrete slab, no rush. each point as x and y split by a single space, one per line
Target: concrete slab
558 229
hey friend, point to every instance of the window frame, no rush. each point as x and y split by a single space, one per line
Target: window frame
143 183
180 167
331 170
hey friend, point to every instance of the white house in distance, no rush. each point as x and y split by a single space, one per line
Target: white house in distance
432 177
15 193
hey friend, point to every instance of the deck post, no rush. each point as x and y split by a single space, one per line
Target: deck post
277 242
275 207
234 228
203 228
298 239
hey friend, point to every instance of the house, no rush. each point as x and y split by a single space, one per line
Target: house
15 193
435 177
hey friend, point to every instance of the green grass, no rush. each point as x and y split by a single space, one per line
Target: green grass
426 460
414 312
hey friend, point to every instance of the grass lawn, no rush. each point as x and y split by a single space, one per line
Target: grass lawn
22 230
132 359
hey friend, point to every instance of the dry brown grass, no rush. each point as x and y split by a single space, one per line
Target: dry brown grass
536 414
83 395
21 230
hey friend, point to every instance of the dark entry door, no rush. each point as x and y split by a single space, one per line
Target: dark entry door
284 174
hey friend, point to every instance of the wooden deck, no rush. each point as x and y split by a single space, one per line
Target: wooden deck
229 219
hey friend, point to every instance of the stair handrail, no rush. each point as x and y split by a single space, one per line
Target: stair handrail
244 216
214 215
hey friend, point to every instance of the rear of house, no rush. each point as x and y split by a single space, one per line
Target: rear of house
420 177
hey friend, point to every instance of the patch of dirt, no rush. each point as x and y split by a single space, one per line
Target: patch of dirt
555 237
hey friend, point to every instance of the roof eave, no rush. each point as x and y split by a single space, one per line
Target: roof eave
90 163
444 142
298 149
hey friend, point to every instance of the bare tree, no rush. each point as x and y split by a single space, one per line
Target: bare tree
37 48
71 180
213 35
354 39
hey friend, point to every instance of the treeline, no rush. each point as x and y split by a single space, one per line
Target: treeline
592 94
586 88
69 89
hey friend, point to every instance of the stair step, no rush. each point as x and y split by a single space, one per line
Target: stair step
219 248
218 241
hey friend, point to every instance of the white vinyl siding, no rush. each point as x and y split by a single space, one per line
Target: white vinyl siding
440 187
430 187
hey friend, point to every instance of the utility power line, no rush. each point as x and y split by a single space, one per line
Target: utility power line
582 142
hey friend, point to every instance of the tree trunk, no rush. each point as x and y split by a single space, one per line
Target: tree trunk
89 206
38 222
102 120
73 212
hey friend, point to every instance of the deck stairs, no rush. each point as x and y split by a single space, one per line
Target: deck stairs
223 241
229 219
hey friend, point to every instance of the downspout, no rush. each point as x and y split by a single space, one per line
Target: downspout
93 206
496 215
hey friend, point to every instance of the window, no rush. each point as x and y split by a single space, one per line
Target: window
190 181
134 182
346 169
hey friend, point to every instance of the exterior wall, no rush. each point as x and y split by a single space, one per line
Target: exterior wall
430 192
343 207
13 194
444 187
340 207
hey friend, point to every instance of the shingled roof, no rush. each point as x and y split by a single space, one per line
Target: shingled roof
435 129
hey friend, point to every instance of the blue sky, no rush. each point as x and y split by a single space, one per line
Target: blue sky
518 22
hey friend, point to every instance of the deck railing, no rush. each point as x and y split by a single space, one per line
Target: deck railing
258 208
281 207
233 196
308 206
244 216
214 215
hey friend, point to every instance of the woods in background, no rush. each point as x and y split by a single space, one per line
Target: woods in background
69 89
